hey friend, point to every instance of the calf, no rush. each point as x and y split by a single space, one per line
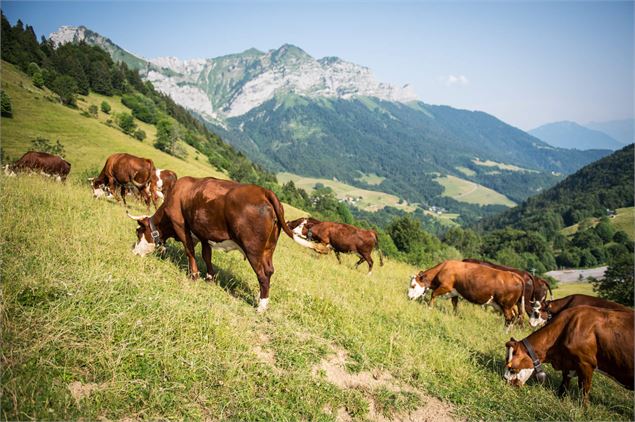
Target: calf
476 283
545 311
339 237
223 215
45 163
577 341
122 170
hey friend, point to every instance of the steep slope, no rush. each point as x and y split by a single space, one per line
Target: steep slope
572 135
605 184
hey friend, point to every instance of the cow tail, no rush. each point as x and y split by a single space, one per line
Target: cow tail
279 210
549 288
381 254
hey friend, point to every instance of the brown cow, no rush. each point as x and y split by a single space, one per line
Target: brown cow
47 164
342 238
535 288
544 312
165 180
122 170
224 215
577 341
476 283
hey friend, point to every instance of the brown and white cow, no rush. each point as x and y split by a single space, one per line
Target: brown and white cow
535 288
124 170
341 238
42 162
474 282
544 312
577 342
223 215
165 180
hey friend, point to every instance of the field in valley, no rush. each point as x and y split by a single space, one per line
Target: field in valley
624 220
91 331
470 192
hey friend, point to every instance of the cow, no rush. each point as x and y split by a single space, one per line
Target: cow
544 312
577 341
474 282
48 164
165 180
223 215
123 170
341 238
535 288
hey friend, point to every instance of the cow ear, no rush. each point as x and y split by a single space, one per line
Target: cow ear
510 343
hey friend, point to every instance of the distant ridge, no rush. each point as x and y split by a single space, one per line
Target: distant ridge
571 135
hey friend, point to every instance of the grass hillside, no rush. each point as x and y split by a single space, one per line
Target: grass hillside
624 220
87 141
92 331
466 191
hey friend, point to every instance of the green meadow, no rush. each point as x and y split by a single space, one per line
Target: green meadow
91 331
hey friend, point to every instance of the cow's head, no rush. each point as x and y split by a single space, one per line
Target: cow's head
539 313
297 226
419 284
99 188
145 244
519 366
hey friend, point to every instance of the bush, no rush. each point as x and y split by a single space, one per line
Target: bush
44 145
93 110
105 107
126 122
38 79
142 107
5 103
33 69
618 281
140 134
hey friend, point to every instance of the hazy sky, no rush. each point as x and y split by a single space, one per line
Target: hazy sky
527 63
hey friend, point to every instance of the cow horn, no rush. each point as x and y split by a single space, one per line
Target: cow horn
138 218
90 179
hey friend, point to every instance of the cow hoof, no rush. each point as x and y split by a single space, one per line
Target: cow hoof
210 278
262 305
369 273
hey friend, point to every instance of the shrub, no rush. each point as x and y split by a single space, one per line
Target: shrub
5 103
142 107
93 110
105 107
38 79
618 281
44 145
66 87
126 123
140 134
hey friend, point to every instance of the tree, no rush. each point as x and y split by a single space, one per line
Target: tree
105 107
5 104
605 230
405 232
126 122
100 80
66 87
618 281
33 69
92 109
38 79
166 137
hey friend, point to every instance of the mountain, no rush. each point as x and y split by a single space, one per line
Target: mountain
589 192
331 118
572 135
621 130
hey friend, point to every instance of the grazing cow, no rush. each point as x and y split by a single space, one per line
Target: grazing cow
165 180
122 170
476 283
339 237
535 288
544 312
577 341
47 164
223 215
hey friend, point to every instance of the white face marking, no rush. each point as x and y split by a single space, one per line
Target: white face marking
159 181
298 230
415 290
160 194
510 354
262 304
99 192
536 317
143 247
521 376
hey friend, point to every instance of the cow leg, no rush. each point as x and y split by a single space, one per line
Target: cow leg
566 378
361 259
113 189
508 313
585 377
455 303
368 258
123 195
207 257
337 255
185 236
439 291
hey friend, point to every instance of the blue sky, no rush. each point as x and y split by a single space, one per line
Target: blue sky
527 63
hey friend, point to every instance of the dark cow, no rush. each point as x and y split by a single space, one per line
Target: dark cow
476 283
45 163
223 215
535 288
342 238
544 312
577 341
165 180
125 170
